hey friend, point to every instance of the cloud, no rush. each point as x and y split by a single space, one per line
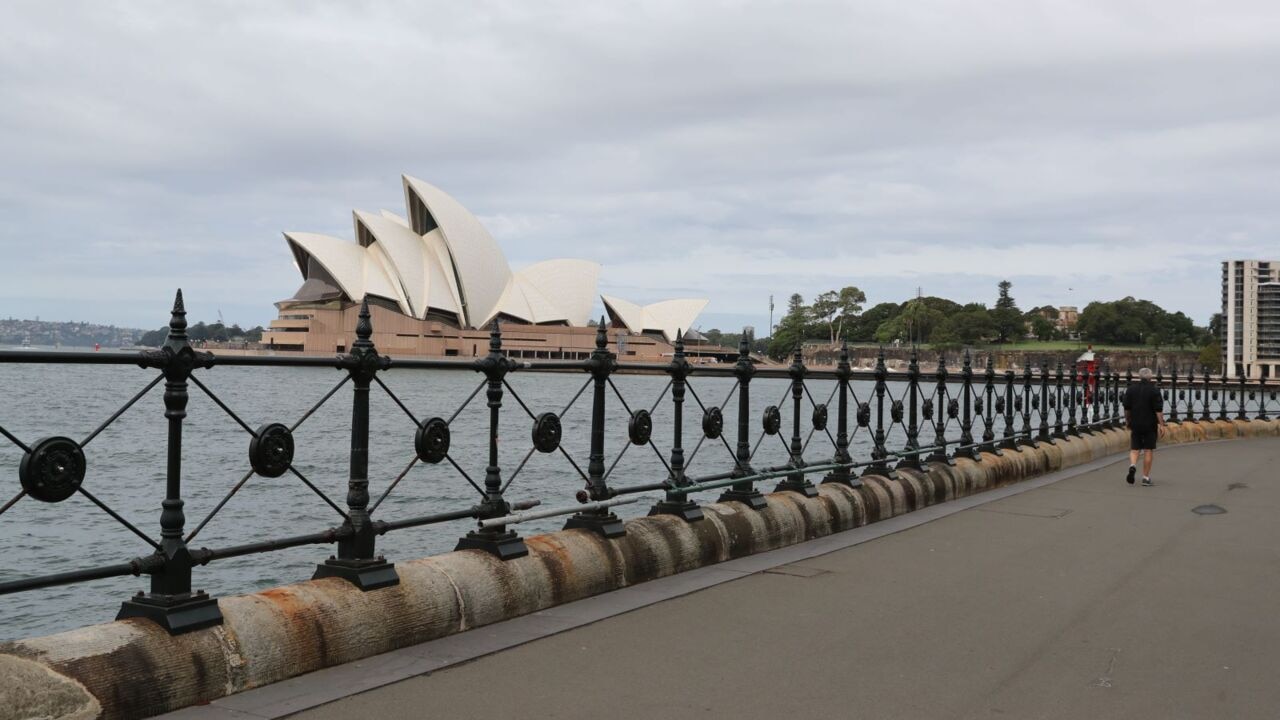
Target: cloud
726 149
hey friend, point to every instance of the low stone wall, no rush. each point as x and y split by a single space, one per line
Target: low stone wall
132 668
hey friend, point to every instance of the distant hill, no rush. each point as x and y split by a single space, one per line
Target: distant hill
46 332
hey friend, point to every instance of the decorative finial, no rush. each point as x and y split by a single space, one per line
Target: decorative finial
602 337
744 348
679 342
495 337
178 317
364 325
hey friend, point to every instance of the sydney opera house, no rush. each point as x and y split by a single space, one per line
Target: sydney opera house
435 280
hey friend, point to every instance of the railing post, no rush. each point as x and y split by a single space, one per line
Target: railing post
356 561
1206 410
1009 442
171 602
1241 412
1173 394
601 364
1128 384
1056 401
1191 393
910 455
797 481
675 502
966 448
941 411
879 453
496 540
1094 390
1222 404
1028 393
746 492
1262 399
842 475
1072 402
1117 416
1043 434
988 417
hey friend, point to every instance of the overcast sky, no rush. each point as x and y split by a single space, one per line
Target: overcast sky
720 149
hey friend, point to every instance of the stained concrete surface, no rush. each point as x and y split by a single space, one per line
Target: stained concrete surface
1084 598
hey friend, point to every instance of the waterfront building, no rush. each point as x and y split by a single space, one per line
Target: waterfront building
435 280
1251 318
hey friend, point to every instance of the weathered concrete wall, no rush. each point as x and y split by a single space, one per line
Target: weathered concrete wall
131 668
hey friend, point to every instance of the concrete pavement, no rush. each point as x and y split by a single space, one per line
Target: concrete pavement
1084 598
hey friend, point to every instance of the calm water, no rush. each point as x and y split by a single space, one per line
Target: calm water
126 466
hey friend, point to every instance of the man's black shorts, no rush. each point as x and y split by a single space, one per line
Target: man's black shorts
1143 438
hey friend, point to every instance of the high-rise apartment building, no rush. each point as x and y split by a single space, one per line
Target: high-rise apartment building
1251 318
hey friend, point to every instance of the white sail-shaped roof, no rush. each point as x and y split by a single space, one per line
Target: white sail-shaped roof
481 268
441 259
668 317
560 290
356 270
404 248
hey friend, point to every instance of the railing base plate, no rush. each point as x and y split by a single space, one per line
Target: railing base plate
847 478
364 574
686 510
505 545
607 525
753 499
176 614
801 485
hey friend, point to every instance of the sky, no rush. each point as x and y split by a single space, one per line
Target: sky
1082 150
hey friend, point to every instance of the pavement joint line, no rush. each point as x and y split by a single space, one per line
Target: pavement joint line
321 687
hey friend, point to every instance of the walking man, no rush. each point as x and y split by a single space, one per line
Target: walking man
1144 414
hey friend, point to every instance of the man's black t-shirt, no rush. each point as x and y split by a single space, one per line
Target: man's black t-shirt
1143 401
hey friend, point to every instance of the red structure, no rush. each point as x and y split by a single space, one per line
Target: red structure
1086 366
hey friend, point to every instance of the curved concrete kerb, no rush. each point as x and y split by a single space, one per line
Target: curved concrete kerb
132 668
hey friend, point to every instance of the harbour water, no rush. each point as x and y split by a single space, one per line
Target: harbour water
126 466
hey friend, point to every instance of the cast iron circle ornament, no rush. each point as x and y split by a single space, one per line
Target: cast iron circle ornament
895 411
271 450
953 408
53 470
864 414
977 406
432 440
712 423
1035 402
1000 405
820 417
927 408
640 427
772 420
546 432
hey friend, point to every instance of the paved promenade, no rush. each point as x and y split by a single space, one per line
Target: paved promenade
1086 598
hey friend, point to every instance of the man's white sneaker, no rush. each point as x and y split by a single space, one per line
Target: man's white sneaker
1146 481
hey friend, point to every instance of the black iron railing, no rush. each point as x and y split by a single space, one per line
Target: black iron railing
963 416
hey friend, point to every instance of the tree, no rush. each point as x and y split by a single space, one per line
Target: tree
1006 317
1042 327
916 323
968 327
863 328
790 331
836 309
1211 357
